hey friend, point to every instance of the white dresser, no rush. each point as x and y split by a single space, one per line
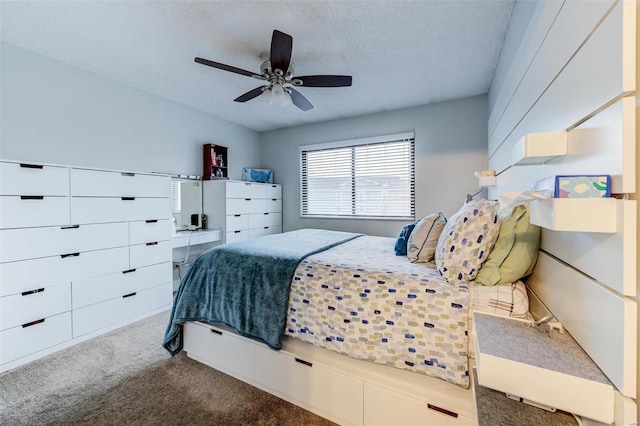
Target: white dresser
244 210
81 252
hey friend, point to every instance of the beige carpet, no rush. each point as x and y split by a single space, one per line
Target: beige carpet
126 377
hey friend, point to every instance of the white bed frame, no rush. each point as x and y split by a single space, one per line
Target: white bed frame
575 70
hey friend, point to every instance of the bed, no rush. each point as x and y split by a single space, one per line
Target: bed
345 293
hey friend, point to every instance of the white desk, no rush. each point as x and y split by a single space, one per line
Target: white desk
199 236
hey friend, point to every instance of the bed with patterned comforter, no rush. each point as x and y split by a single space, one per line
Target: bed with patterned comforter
344 292
361 300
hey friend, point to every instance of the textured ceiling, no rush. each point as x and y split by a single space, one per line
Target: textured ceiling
400 53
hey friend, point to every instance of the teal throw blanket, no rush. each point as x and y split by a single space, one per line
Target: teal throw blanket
245 285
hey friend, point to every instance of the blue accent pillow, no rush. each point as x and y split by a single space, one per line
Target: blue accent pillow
403 237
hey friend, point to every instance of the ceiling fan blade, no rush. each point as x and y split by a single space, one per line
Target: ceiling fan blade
224 67
323 80
281 46
299 100
250 95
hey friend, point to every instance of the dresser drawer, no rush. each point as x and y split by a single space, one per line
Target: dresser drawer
26 211
384 407
112 311
20 341
261 232
274 205
245 206
311 384
260 220
96 183
27 243
245 190
97 210
148 231
274 191
235 236
31 179
220 349
149 254
237 222
93 290
25 275
33 305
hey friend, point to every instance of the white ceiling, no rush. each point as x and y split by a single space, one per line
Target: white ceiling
400 53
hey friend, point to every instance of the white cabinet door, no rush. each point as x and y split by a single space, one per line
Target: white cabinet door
94 290
235 236
98 183
274 191
22 341
25 211
311 384
237 222
26 275
94 317
384 407
149 254
245 205
245 190
33 305
33 179
220 348
273 205
147 231
27 243
261 220
99 210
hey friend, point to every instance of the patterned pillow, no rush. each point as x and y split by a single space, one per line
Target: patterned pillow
403 238
466 241
423 240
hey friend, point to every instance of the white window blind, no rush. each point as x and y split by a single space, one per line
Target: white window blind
369 178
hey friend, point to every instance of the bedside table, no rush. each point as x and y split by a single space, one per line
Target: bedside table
515 358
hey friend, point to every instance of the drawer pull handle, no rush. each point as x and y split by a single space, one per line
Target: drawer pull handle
129 271
219 333
236 232
70 227
247 183
266 214
247 199
302 361
31 197
236 215
29 324
155 243
274 199
151 221
31 166
442 410
274 186
128 198
266 227
127 174
70 255
129 295
38 290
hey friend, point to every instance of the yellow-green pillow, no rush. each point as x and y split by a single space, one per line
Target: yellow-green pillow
516 250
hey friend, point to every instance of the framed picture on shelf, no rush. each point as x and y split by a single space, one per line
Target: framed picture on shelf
257 175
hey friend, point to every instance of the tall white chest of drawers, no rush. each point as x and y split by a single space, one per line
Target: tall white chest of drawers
245 210
81 252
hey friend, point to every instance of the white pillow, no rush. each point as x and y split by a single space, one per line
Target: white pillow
466 241
423 239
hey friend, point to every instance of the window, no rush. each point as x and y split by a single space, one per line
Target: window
362 178
176 196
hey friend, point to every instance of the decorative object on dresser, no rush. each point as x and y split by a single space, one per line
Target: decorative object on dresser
244 210
257 175
215 162
81 252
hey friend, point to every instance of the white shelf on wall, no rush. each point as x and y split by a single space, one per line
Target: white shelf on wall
576 214
538 148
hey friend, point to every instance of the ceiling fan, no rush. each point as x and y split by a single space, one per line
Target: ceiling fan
277 72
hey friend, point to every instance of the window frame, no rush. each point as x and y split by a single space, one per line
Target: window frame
352 143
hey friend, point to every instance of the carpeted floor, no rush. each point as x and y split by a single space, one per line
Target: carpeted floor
126 378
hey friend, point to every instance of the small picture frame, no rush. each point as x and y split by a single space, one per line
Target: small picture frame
257 175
